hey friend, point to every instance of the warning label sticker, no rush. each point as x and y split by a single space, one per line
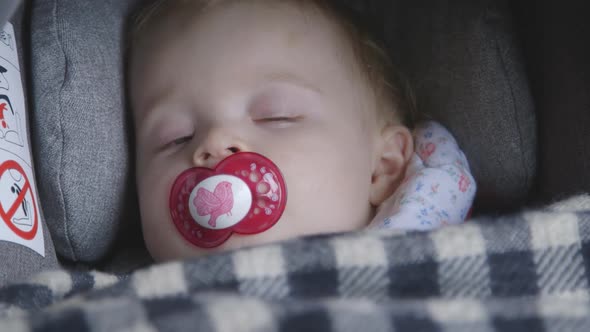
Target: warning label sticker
19 209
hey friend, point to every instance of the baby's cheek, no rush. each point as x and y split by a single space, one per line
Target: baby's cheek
326 201
154 188
350 195
351 206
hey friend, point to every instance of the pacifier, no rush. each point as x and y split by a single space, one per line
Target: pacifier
244 194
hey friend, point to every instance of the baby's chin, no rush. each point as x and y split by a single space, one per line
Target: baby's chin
182 249
285 229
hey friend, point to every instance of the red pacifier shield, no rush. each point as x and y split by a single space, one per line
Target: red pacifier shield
245 194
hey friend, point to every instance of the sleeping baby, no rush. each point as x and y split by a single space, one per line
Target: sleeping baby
259 121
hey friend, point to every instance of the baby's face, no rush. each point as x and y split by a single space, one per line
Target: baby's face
277 80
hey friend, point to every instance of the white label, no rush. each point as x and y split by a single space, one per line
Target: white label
19 209
220 202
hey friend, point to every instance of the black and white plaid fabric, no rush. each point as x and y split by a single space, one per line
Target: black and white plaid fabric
525 272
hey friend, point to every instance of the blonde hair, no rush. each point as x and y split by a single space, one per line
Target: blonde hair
390 88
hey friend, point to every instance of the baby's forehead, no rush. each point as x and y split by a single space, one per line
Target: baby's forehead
234 23
171 17
293 36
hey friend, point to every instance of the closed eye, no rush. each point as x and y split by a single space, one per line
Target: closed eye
182 140
280 119
177 142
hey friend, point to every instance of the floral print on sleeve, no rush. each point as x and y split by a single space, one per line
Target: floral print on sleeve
438 188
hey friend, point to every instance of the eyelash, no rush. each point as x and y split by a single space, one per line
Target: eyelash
182 140
288 119
177 142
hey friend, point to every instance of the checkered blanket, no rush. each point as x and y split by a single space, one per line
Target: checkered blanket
529 271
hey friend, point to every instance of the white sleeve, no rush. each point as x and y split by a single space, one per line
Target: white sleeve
438 188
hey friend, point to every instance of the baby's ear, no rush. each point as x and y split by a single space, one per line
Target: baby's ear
394 151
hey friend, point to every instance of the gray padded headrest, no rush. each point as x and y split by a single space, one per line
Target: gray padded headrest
7 8
464 62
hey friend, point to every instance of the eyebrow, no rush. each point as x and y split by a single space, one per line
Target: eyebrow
152 102
283 76
146 119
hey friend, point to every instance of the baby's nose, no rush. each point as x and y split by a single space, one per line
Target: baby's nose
216 148
211 158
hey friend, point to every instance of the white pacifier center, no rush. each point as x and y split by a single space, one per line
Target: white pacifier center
224 216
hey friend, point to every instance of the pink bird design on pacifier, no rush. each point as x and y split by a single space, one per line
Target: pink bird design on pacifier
244 194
